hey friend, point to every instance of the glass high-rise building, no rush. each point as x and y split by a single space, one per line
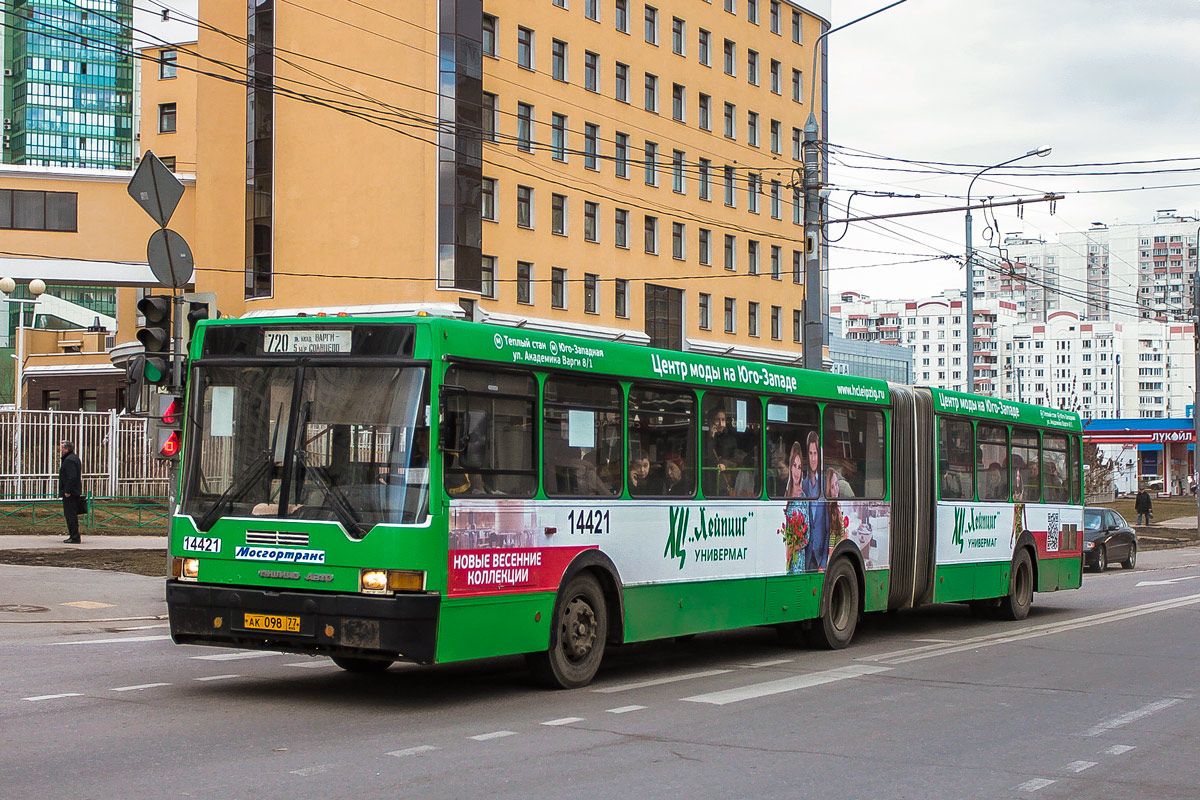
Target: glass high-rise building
68 83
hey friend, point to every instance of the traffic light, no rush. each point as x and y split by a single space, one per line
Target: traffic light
197 308
167 426
155 337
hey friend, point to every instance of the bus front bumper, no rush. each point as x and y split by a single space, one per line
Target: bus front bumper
402 626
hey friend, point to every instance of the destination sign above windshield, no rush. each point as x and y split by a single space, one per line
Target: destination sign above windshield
315 340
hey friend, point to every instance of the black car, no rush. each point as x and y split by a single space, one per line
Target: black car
1107 537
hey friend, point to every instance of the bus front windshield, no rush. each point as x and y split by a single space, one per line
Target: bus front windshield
342 443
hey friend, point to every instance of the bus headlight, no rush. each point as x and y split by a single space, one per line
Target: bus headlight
383 581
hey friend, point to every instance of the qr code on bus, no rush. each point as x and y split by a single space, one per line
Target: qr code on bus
1053 528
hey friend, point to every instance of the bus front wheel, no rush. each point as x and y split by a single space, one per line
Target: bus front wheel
1015 606
577 635
835 628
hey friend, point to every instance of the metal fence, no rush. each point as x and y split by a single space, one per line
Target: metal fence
117 455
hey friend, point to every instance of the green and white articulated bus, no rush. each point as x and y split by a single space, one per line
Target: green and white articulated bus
432 490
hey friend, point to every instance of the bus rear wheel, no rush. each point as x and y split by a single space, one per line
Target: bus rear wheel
577 635
1015 605
835 628
362 666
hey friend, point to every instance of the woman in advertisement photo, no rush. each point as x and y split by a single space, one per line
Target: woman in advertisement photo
817 553
795 523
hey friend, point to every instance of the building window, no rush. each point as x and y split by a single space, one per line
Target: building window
678 241
621 298
797 207
651 164
50 400
652 235
775 13
591 71
730 197
704 51
730 58
776 201
730 121
651 25
776 138
168 61
677 36
621 155
705 112
87 399
730 315
558 137
705 315
524 207
776 323
524 282
558 59
752 128
796 29
796 140
776 77
705 172
489 117
524 48
560 3
776 262
731 252
678 98
591 136
591 10
487 268
752 253
26 210
678 182
752 318
752 67
166 118
796 86
168 162
621 15
621 92
651 92
731 6
590 212
752 11
558 214
489 35
525 127
753 188
796 325
590 301
558 287
797 267
621 228
488 199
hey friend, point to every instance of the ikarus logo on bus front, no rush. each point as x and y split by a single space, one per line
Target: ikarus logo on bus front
964 528
711 525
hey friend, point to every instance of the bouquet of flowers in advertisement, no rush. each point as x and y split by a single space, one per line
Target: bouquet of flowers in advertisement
795 538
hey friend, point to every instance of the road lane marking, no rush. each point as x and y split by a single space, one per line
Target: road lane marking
139 687
484 737
687 676
1118 749
52 696
304 772
143 627
235 656
311 664
773 663
218 677
625 709
88 604
1079 766
563 721
1032 632
412 751
790 684
1034 785
117 640
1133 716
1167 581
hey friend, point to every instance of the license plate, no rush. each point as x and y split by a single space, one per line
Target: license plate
271 622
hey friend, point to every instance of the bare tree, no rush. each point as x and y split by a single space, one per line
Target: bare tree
1099 472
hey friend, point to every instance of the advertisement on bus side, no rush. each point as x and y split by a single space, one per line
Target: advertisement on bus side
969 533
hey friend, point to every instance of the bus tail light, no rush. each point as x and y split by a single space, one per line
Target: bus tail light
383 581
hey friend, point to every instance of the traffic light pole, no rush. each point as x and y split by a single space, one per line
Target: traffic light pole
177 354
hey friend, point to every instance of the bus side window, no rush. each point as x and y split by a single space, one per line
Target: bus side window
1055 457
956 459
855 454
731 453
991 465
580 458
1026 477
492 428
789 424
662 442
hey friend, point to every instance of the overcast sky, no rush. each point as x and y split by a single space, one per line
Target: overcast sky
981 81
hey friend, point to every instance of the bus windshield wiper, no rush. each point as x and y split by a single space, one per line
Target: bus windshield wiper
250 475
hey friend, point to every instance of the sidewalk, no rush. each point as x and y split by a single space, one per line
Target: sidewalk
54 540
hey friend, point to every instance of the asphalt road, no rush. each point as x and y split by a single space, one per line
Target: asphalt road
1093 696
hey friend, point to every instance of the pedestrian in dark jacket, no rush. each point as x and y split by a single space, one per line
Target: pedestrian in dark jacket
70 489
1143 506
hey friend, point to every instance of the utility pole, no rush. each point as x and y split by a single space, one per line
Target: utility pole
814 306
1196 380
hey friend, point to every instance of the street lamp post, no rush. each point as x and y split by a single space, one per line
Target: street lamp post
36 288
1044 150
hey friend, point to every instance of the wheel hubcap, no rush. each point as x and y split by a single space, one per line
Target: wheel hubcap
578 629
